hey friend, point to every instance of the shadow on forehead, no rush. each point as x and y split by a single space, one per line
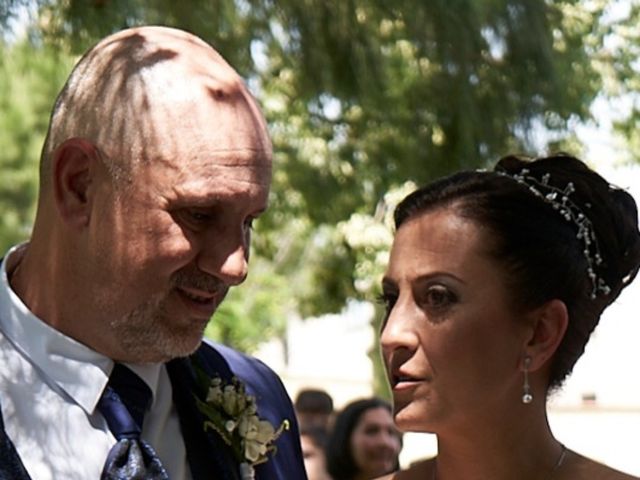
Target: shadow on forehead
116 86
149 93
127 61
133 51
106 96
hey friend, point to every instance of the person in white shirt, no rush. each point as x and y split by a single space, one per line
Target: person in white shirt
156 162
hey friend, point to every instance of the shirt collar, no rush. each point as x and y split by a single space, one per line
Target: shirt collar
73 369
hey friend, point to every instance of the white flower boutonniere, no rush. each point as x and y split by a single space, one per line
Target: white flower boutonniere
232 413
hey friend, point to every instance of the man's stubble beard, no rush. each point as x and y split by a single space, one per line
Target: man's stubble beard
149 335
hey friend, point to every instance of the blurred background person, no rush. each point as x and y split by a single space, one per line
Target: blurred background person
364 442
314 408
314 441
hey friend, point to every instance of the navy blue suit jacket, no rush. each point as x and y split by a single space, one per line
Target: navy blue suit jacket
208 456
273 405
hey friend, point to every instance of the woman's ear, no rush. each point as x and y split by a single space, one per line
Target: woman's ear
548 326
73 170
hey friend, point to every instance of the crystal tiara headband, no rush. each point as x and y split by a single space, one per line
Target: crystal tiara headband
560 201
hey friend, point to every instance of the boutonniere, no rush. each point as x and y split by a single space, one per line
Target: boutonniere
232 413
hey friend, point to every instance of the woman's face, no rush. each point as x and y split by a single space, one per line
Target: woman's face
375 443
314 459
452 344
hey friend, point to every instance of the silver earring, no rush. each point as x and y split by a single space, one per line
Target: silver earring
527 396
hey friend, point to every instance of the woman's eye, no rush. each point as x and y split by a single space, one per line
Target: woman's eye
248 223
438 297
371 431
388 300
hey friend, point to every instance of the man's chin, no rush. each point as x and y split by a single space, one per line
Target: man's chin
179 348
185 351
157 338
162 349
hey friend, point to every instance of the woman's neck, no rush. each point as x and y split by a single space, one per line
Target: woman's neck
519 445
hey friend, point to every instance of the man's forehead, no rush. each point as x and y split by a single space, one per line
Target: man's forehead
214 118
181 103
223 161
243 166
213 182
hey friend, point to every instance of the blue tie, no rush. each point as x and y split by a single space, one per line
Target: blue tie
123 405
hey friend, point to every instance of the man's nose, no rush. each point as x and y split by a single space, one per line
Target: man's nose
226 257
234 269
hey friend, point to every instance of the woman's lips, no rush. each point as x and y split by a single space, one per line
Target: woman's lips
400 381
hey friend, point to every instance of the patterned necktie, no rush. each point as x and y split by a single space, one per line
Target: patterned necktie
123 405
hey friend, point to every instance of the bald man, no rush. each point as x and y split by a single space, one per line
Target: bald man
156 163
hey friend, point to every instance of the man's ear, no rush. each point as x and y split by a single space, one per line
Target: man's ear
548 326
74 164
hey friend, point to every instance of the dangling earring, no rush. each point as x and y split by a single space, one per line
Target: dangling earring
527 396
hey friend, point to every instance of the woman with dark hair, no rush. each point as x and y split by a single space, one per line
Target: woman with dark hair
495 282
364 442
313 440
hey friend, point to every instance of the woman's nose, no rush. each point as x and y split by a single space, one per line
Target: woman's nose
398 330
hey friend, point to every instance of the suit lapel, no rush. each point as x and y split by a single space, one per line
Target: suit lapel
207 454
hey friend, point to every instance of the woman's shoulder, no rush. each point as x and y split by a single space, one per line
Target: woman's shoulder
418 471
581 467
575 467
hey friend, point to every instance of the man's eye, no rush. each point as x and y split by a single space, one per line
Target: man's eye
199 216
195 217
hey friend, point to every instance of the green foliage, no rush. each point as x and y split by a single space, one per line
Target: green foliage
622 71
255 311
361 97
380 380
29 80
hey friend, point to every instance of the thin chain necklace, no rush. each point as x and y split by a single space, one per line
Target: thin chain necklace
558 464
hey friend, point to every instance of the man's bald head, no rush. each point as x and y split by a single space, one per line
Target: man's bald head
156 163
128 94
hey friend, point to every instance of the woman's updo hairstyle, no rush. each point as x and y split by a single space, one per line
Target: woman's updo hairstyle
539 248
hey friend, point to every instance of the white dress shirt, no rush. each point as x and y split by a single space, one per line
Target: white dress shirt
50 385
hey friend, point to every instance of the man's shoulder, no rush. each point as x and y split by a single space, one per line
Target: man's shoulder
273 402
208 347
259 378
237 361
